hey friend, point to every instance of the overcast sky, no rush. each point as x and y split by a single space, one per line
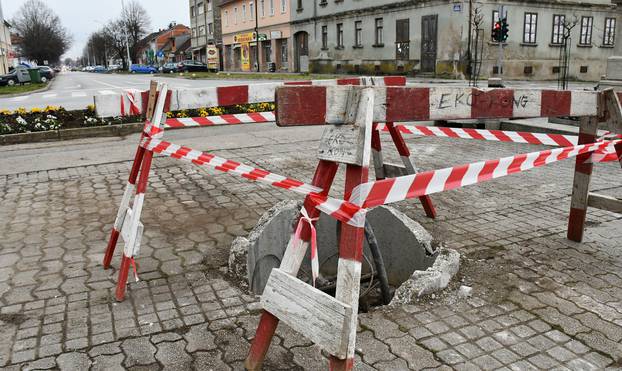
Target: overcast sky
81 17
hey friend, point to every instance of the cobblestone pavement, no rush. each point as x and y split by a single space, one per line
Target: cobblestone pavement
539 301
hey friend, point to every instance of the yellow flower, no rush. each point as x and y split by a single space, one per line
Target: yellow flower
5 112
170 115
90 108
36 110
20 111
181 114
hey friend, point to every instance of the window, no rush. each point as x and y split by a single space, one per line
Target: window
200 8
558 29
340 35
251 10
586 30
299 5
209 5
226 17
283 6
324 37
235 15
267 49
610 32
192 11
210 28
243 12
402 39
201 30
263 8
379 34
194 32
284 57
271 7
358 33
530 27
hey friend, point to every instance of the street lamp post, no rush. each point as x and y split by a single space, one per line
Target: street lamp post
127 43
257 34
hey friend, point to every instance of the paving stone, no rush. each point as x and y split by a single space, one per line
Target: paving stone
486 362
199 338
108 362
372 349
407 348
138 351
172 355
210 360
73 361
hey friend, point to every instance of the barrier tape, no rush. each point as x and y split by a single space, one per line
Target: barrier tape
134 109
391 190
338 209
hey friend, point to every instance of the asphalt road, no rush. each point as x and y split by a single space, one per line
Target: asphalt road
75 90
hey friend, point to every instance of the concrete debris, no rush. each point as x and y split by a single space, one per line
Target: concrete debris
465 291
433 279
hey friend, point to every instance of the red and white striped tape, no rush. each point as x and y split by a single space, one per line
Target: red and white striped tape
233 119
425 183
607 154
328 205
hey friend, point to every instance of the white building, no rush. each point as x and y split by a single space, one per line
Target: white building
5 43
432 36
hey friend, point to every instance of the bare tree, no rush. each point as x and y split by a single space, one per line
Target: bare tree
44 37
136 22
115 36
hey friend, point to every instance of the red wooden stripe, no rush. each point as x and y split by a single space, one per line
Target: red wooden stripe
555 103
293 108
351 241
395 80
576 223
398 140
408 104
230 95
496 103
351 81
583 166
375 139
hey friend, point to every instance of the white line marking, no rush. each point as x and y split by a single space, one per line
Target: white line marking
19 99
106 92
77 94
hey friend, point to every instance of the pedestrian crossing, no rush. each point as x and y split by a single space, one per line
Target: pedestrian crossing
61 95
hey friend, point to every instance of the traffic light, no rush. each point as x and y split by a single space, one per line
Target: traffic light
505 30
496 31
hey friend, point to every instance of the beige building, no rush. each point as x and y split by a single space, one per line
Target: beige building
5 43
241 44
432 36
205 28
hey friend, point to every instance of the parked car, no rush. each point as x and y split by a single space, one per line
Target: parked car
191 66
58 69
100 69
114 67
47 73
140 68
9 79
169 68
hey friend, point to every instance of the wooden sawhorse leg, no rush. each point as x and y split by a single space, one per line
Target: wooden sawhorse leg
581 184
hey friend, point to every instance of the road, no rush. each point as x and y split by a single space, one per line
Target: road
75 90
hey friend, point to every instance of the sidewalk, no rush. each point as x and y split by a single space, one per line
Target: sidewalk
539 301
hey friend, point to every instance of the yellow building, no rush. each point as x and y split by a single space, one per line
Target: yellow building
5 43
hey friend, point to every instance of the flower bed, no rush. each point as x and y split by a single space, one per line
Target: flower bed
56 118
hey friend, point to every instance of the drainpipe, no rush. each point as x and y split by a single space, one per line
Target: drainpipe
257 34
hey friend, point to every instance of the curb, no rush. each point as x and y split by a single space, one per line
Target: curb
46 88
77 133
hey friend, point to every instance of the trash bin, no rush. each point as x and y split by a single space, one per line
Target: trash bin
35 75
271 67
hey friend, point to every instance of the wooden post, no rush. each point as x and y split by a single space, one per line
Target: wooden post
323 178
131 184
581 185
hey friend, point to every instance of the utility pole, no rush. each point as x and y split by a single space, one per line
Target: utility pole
257 34
469 42
127 42
500 61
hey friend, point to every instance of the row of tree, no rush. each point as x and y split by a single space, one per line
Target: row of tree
110 41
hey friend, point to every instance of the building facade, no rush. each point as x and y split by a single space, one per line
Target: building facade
6 50
432 36
270 48
205 28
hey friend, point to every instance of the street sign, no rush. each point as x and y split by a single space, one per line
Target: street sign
244 37
263 37
458 8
